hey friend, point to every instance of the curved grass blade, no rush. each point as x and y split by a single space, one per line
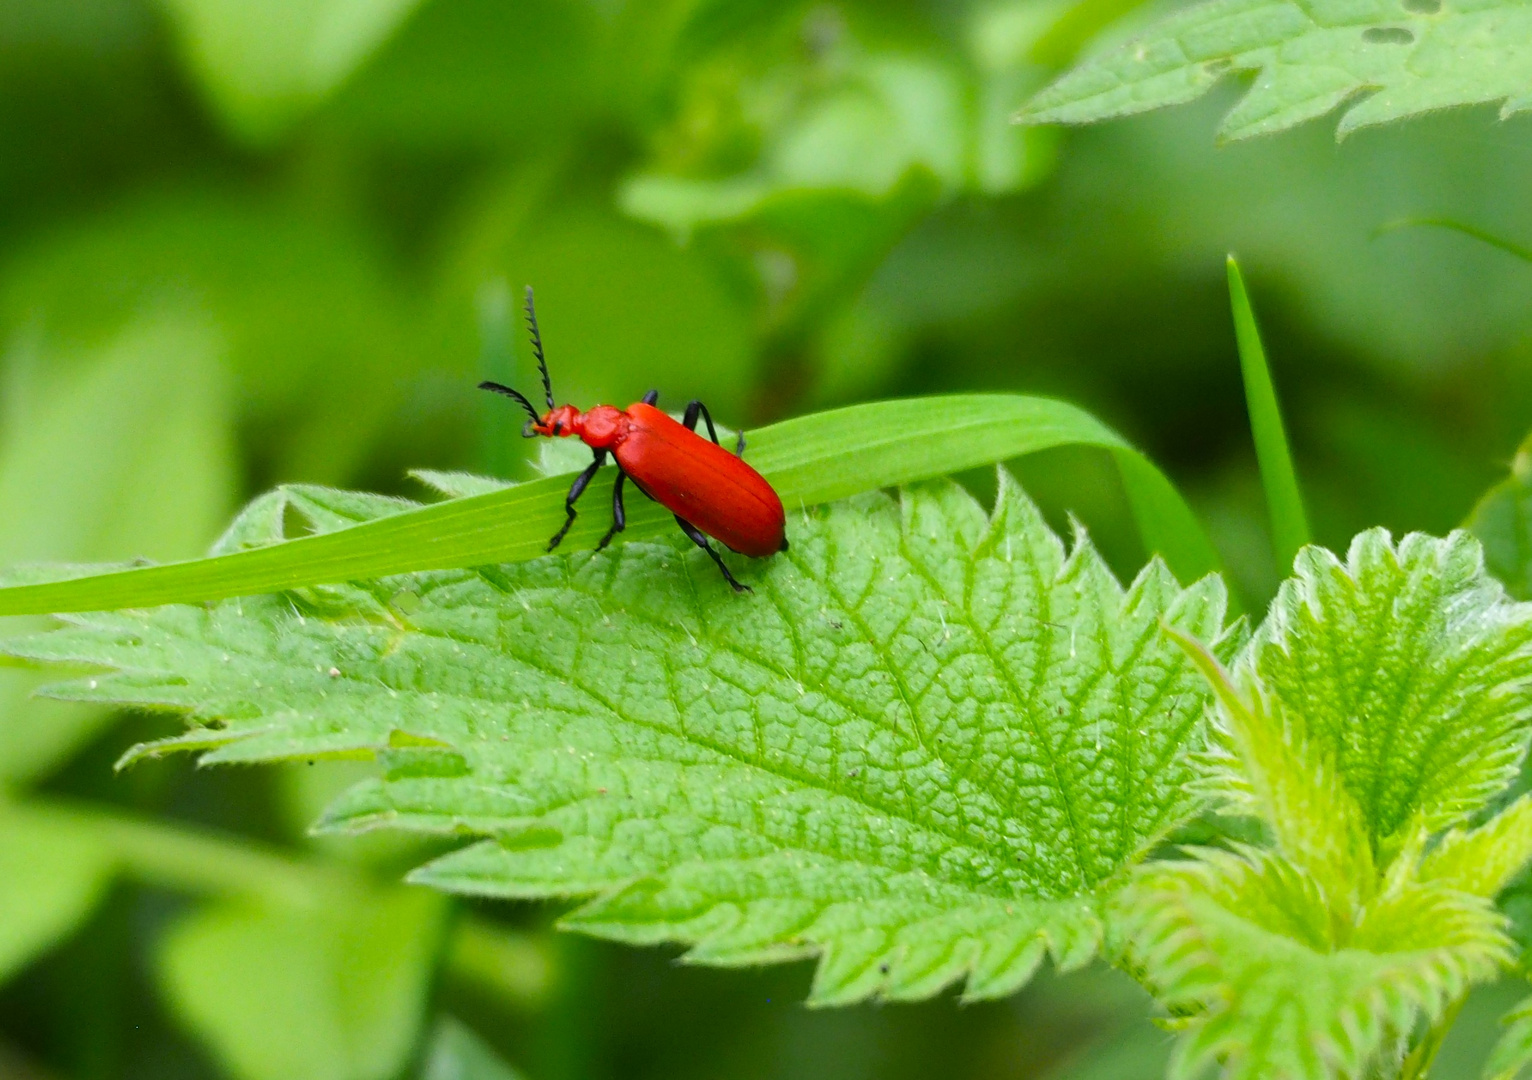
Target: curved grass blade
810 459
1284 502
1510 247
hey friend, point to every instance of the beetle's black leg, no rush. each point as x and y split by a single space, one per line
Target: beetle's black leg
575 491
739 448
693 407
619 515
695 535
651 397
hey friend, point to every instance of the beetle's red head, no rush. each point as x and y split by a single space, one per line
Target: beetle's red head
559 419
555 423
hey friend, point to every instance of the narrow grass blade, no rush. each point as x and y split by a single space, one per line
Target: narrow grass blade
1510 247
811 459
1284 503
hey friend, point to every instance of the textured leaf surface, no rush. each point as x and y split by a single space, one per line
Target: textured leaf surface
926 749
1383 700
1401 57
1247 945
1408 668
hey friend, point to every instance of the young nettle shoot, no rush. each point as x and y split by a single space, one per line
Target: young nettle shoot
710 491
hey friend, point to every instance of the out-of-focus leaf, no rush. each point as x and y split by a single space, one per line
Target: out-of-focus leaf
623 309
1097 262
331 992
311 327
264 63
471 73
1412 56
1502 521
124 451
842 116
456 1053
810 460
52 871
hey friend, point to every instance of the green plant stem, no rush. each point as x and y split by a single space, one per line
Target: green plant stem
1417 1064
1284 502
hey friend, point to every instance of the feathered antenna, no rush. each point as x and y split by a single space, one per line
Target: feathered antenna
537 348
515 395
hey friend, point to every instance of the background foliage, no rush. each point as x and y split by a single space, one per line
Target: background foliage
245 243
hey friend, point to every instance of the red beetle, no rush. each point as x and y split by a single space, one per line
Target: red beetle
708 489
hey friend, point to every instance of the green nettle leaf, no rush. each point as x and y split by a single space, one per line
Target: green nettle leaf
1383 700
930 747
1400 57
1243 944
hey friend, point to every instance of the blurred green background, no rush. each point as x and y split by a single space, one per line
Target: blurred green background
247 242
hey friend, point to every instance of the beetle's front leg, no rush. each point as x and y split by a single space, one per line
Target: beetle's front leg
575 491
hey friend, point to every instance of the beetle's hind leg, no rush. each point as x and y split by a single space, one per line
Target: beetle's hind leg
576 489
651 397
693 407
695 535
619 515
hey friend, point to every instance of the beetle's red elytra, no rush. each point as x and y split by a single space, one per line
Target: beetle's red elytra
710 491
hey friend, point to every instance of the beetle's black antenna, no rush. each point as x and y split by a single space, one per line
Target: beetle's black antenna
515 395
537 348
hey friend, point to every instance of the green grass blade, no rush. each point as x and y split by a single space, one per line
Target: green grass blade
1289 524
811 459
1510 247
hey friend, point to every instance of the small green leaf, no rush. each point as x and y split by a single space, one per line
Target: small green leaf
1502 520
1245 946
1483 861
927 749
1399 57
285 992
810 460
1383 700
1292 785
1284 503
1406 665
456 1053
1513 1051
52 872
